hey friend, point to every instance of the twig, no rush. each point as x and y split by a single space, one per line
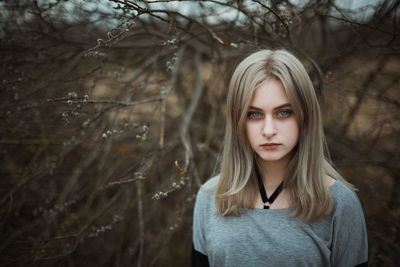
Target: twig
184 130
115 103
361 95
139 199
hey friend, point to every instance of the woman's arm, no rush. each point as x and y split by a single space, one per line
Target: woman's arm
349 241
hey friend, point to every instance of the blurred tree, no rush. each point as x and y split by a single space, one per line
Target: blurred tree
112 116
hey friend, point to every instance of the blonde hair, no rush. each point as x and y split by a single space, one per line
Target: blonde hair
310 162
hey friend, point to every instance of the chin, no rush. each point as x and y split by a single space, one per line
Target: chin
271 157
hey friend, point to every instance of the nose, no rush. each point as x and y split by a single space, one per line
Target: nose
269 128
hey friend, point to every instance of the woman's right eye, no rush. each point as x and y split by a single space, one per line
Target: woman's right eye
254 115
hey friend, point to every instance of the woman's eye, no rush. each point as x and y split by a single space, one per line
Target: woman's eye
285 113
254 115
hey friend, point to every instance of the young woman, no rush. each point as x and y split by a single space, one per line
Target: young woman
277 200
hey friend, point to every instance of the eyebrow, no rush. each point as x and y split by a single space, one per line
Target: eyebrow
278 107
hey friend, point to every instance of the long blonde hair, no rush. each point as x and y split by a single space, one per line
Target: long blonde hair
310 162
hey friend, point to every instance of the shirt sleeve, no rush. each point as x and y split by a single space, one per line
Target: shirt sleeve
350 242
199 250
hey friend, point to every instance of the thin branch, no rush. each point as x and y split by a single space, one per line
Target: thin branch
184 130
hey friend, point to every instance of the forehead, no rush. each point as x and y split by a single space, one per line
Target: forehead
269 95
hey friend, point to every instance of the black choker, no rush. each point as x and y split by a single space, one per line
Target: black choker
263 193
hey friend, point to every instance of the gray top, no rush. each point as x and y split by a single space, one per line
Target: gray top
272 237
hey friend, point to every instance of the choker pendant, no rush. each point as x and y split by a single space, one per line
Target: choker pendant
265 199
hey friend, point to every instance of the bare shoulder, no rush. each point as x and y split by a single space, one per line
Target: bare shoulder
329 181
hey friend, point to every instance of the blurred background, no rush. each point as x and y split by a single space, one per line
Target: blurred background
112 116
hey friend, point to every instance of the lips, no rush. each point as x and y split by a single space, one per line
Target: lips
270 146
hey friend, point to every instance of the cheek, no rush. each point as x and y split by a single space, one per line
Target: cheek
251 131
290 130
293 132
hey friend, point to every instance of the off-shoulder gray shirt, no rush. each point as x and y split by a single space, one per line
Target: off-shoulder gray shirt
272 237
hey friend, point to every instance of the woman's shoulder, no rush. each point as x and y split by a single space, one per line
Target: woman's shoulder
211 184
206 192
344 196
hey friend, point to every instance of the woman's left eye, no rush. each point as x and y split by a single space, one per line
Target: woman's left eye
285 113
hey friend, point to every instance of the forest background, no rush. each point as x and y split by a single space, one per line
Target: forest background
112 116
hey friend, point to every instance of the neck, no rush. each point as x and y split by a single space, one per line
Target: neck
273 172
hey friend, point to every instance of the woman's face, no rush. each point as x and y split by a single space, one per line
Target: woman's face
271 127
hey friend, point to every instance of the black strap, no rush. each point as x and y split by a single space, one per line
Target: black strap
263 193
